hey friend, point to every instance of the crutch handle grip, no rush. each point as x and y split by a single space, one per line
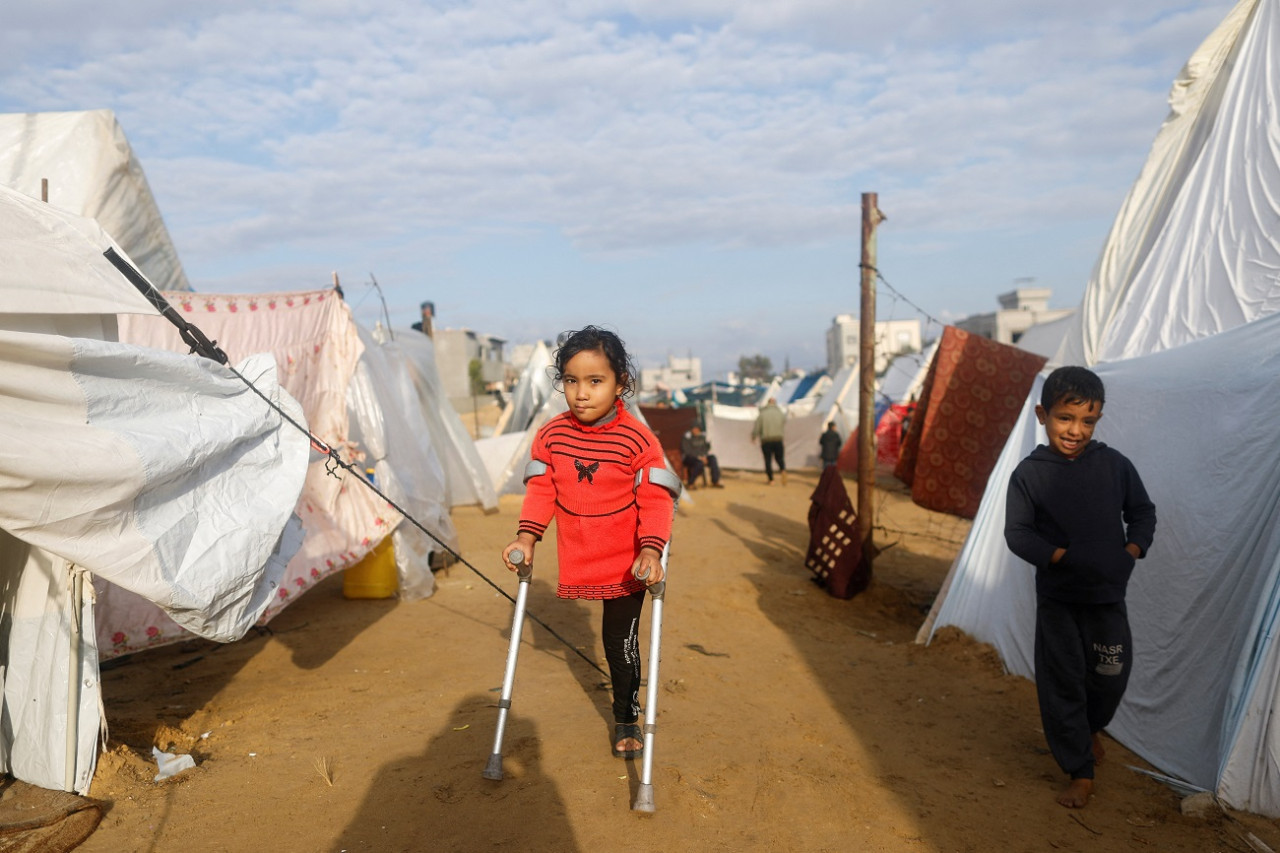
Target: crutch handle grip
517 558
641 573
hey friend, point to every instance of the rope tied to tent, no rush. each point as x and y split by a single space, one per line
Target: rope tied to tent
201 345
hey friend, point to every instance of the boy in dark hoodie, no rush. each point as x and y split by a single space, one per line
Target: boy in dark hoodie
1078 512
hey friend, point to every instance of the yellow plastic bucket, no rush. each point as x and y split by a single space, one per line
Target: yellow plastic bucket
374 576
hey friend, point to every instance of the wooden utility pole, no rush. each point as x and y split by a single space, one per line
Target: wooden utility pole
871 217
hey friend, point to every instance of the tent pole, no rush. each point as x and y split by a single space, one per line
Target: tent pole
73 679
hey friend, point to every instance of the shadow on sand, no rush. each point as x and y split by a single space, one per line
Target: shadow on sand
439 801
163 686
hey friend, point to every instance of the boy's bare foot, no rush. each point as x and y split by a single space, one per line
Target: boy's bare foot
1076 795
1099 749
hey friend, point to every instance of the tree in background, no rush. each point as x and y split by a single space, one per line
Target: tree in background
757 367
475 372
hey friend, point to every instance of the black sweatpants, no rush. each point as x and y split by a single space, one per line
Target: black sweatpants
619 629
1083 657
773 450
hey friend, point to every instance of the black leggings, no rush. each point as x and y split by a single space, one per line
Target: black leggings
620 631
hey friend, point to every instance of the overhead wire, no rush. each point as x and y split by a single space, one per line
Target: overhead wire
899 295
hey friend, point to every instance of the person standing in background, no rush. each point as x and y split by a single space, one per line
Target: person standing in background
829 444
768 430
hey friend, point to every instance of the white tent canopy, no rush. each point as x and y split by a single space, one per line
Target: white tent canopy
533 389
161 475
91 171
1180 321
356 401
466 478
729 431
1046 338
1194 249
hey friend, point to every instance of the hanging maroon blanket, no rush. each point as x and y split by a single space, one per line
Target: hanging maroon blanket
970 401
835 556
670 425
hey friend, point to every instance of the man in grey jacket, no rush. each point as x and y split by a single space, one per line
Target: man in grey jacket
768 430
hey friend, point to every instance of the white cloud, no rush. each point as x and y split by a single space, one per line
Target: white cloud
404 131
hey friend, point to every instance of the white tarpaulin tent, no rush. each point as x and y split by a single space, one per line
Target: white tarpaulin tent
356 401
467 479
408 470
729 427
533 402
1046 338
532 390
91 171
1180 319
161 475
729 431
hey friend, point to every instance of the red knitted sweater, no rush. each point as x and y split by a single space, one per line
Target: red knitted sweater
602 518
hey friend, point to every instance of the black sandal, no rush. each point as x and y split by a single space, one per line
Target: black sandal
623 731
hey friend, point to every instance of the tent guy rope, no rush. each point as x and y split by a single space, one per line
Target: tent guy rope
202 346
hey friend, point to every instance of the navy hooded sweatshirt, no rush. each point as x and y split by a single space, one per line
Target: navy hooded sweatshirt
1092 506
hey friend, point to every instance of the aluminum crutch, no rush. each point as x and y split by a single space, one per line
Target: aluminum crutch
644 793
493 769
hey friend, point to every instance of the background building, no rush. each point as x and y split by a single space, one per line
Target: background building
892 337
456 349
676 373
1020 309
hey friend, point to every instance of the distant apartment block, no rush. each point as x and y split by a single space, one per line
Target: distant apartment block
456 349
676 373
892 337
1020 309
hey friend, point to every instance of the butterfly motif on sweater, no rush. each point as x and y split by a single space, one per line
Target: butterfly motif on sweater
586 471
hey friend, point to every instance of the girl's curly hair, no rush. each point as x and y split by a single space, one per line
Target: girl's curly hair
593 338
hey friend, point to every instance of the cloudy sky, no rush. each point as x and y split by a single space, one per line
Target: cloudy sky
689 173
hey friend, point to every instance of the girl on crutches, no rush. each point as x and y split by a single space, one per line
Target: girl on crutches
601 474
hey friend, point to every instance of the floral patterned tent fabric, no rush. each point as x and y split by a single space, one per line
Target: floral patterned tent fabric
316 347
969 403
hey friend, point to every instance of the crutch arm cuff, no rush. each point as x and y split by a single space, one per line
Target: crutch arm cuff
534 468
660 477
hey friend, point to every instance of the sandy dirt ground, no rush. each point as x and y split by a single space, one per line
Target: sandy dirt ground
788 720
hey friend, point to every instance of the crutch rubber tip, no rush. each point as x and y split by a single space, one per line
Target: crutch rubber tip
644 799
493 770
